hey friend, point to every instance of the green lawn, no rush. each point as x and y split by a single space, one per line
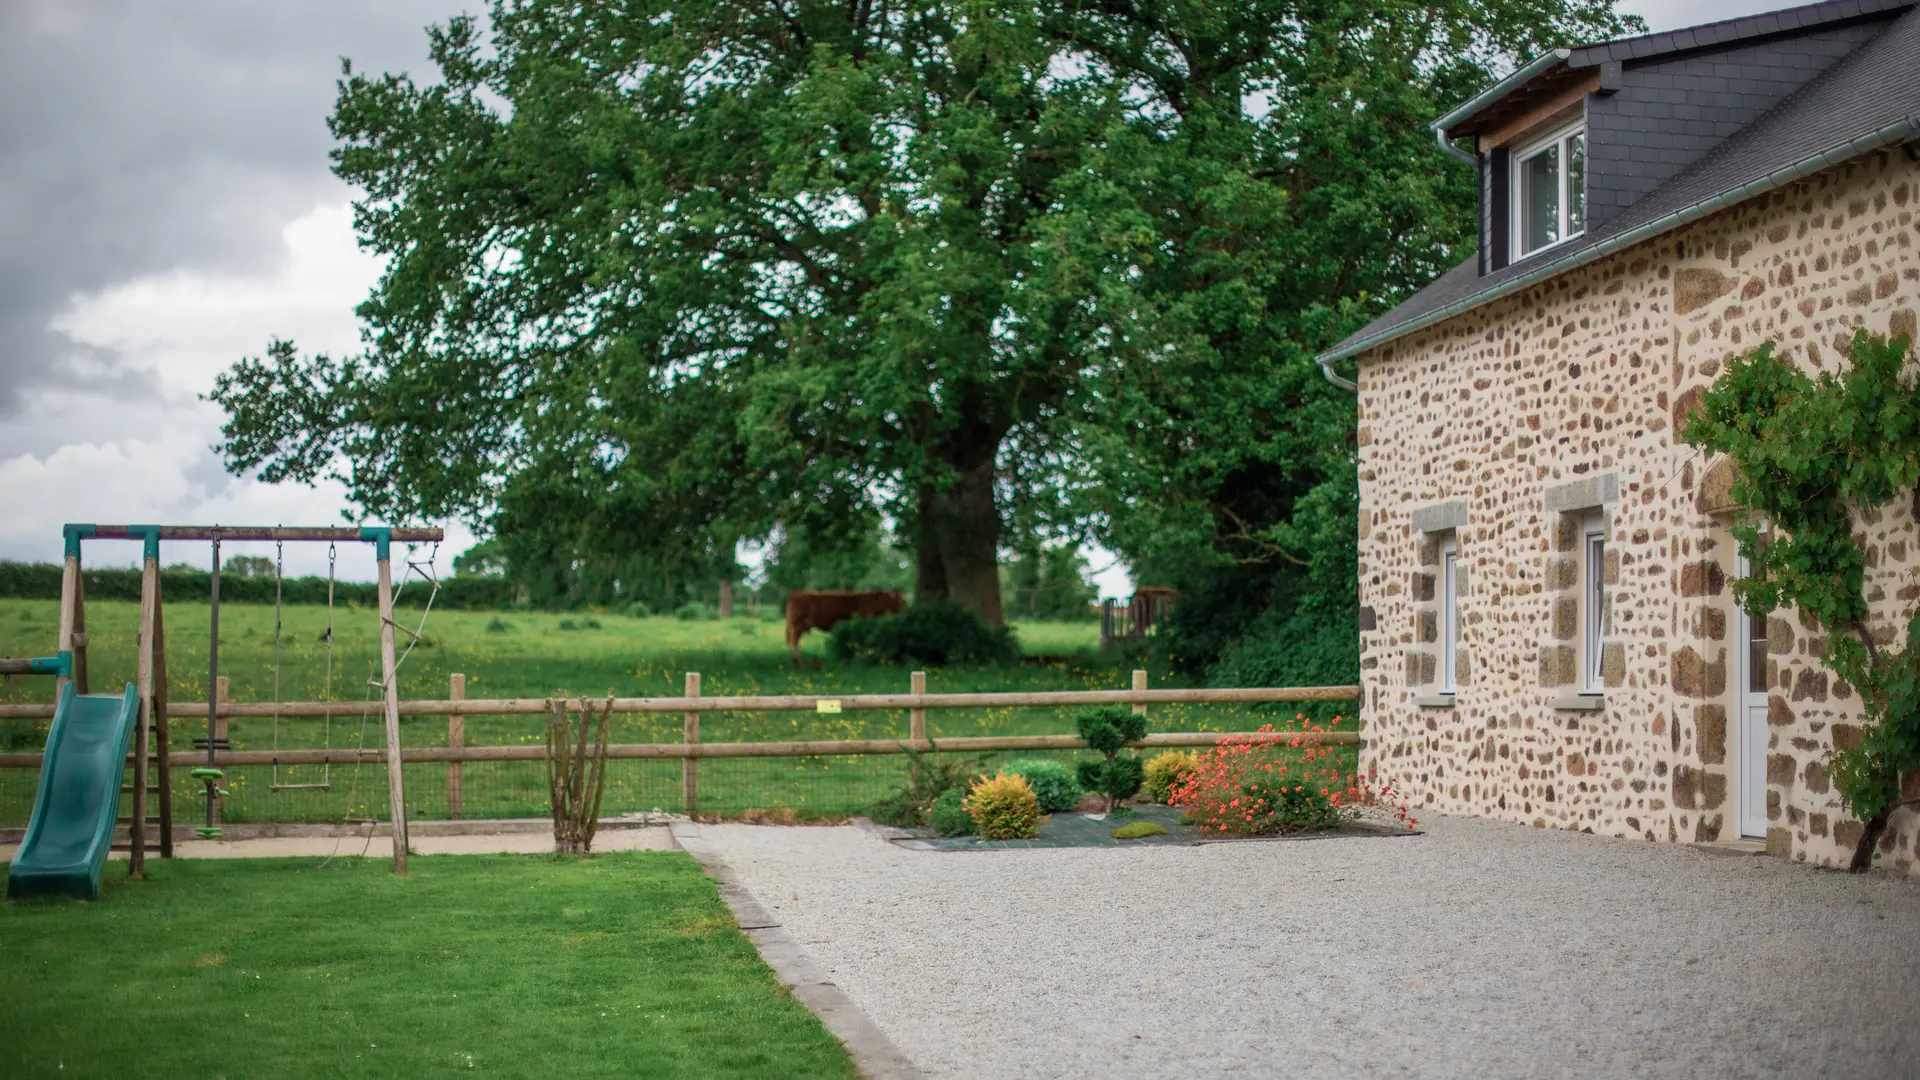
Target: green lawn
531 654
621 965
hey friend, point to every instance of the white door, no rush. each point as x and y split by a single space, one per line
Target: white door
1750 720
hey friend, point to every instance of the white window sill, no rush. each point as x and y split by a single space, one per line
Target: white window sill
1580 702
1434 701
1517 258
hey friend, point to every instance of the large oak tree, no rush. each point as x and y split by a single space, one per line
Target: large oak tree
666 274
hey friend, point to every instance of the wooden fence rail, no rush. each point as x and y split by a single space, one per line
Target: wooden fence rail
795 748
471 707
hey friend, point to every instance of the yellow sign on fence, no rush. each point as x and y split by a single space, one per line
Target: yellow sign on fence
827 705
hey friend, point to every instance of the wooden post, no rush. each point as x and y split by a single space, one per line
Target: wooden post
690 767
396 790
161 696
217 727
1139 683
456 737
72 636
917 718
137 827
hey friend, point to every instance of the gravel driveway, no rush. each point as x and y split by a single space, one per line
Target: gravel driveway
1478 950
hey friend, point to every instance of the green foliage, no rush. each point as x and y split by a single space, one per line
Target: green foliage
928 778
696 612
185 585
1135 830
932 634
1053 782
638 610
1810 453
947 815
1108 730
1048 582
1004 808
680 274
1166 769
498 625
568 624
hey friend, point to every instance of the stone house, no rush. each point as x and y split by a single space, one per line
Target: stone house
1547 630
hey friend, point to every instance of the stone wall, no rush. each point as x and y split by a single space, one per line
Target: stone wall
1562 401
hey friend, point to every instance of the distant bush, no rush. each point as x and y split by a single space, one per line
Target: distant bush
1108 730
1053 783
947 816
1165 771
934 634
638 610
590 623
696 612
1004 808
569 624
180 584
498 625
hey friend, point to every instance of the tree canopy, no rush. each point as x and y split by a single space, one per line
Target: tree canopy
662 275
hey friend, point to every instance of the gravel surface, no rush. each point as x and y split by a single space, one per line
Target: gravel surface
1480 949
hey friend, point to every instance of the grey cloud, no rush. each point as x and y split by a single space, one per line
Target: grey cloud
139 137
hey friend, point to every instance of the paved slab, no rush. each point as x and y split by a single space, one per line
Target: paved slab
1477 950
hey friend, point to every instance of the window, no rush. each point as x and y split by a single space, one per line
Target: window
1549 191
1449 614
1594 578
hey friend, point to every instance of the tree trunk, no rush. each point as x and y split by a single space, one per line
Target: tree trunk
960 528
1869 839
726 599
930 581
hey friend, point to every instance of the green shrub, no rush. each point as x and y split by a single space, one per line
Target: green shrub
1003 808
498 625
927 779
1053 783
638 610
948 815
569 624
934 634
696 612
1108 730
1165 770
1136 830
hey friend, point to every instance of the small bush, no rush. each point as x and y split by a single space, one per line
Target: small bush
590 623
498 625
948 816
927 779
696 612
1138 829
1166 770
569 624
1108 730
638 610
1004 808
1053 783
934 634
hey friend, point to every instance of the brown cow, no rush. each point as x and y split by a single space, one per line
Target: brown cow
826 610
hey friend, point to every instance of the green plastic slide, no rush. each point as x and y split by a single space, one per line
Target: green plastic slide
79 797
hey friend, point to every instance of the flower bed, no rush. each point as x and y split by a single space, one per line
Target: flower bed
1269 783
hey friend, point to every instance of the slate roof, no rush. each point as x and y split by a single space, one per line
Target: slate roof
1867 100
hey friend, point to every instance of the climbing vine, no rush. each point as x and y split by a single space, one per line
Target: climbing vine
1809 453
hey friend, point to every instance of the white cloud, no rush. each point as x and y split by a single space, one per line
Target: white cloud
150 459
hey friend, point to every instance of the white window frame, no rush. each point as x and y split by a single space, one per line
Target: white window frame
1449 613
1593 602
1516 204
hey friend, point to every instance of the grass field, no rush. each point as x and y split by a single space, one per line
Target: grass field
536 654
622 965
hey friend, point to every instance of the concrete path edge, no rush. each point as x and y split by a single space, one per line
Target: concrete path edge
873 1053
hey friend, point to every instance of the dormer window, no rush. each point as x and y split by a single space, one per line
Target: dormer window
1549 186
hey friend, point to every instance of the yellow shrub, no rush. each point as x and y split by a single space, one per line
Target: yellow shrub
1165 771
1004 808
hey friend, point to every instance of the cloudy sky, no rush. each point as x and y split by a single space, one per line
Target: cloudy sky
166 207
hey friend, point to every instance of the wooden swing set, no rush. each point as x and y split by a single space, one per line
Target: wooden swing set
150 750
